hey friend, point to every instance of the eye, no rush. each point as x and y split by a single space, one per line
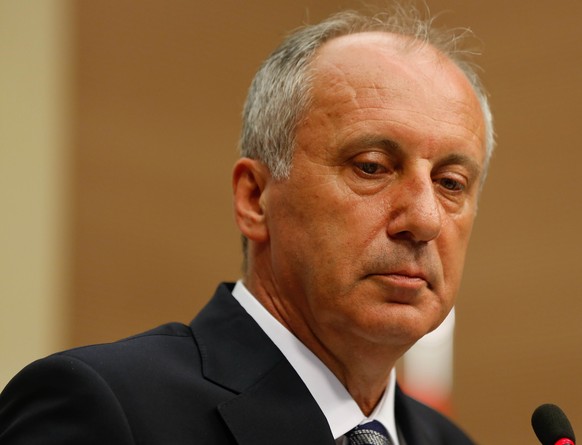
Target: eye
451 184
370 168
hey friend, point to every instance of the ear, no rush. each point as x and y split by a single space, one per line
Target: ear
249 179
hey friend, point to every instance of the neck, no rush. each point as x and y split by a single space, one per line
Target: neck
361 366
363 369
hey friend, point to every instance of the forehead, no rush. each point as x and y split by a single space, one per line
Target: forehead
378 70
398 67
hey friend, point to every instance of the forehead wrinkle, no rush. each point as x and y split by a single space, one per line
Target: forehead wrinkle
340 91
475 130
476 133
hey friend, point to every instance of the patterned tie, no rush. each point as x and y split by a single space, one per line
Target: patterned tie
372 433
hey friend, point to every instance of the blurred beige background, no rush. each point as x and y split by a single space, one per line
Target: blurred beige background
118 129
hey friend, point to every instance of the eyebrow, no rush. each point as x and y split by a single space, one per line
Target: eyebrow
369 141
392 147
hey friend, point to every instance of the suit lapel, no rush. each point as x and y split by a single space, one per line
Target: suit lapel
278 409
270 401
412 427
235 351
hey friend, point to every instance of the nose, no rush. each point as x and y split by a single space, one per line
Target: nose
415 213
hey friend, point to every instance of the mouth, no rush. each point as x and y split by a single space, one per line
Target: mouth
403 280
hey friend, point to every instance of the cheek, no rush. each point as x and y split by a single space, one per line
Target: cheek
323 230
301 231
453 248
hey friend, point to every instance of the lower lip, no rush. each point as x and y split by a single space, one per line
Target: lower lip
402 281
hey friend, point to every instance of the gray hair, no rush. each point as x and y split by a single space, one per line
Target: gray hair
280 93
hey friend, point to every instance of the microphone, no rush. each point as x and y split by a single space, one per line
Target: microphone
551 426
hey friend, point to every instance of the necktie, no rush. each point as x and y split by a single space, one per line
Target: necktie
372 433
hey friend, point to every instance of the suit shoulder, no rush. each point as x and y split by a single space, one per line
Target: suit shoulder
122 363
166 330
47 403
91 394
159 341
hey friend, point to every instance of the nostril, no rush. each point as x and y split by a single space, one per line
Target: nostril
417 220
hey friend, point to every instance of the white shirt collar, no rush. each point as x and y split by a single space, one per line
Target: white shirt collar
338 406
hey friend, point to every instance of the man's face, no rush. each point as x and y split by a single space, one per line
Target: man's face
368 235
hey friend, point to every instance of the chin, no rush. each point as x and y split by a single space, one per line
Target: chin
401 331
411 326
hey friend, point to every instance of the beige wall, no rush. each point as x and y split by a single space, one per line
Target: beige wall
34 175
158 89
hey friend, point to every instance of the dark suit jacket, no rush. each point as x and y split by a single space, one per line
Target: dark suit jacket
218 381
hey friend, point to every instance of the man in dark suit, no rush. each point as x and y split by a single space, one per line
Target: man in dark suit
365 143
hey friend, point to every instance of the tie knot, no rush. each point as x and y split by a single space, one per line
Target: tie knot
372 433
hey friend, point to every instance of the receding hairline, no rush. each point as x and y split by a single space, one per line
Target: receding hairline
401 46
